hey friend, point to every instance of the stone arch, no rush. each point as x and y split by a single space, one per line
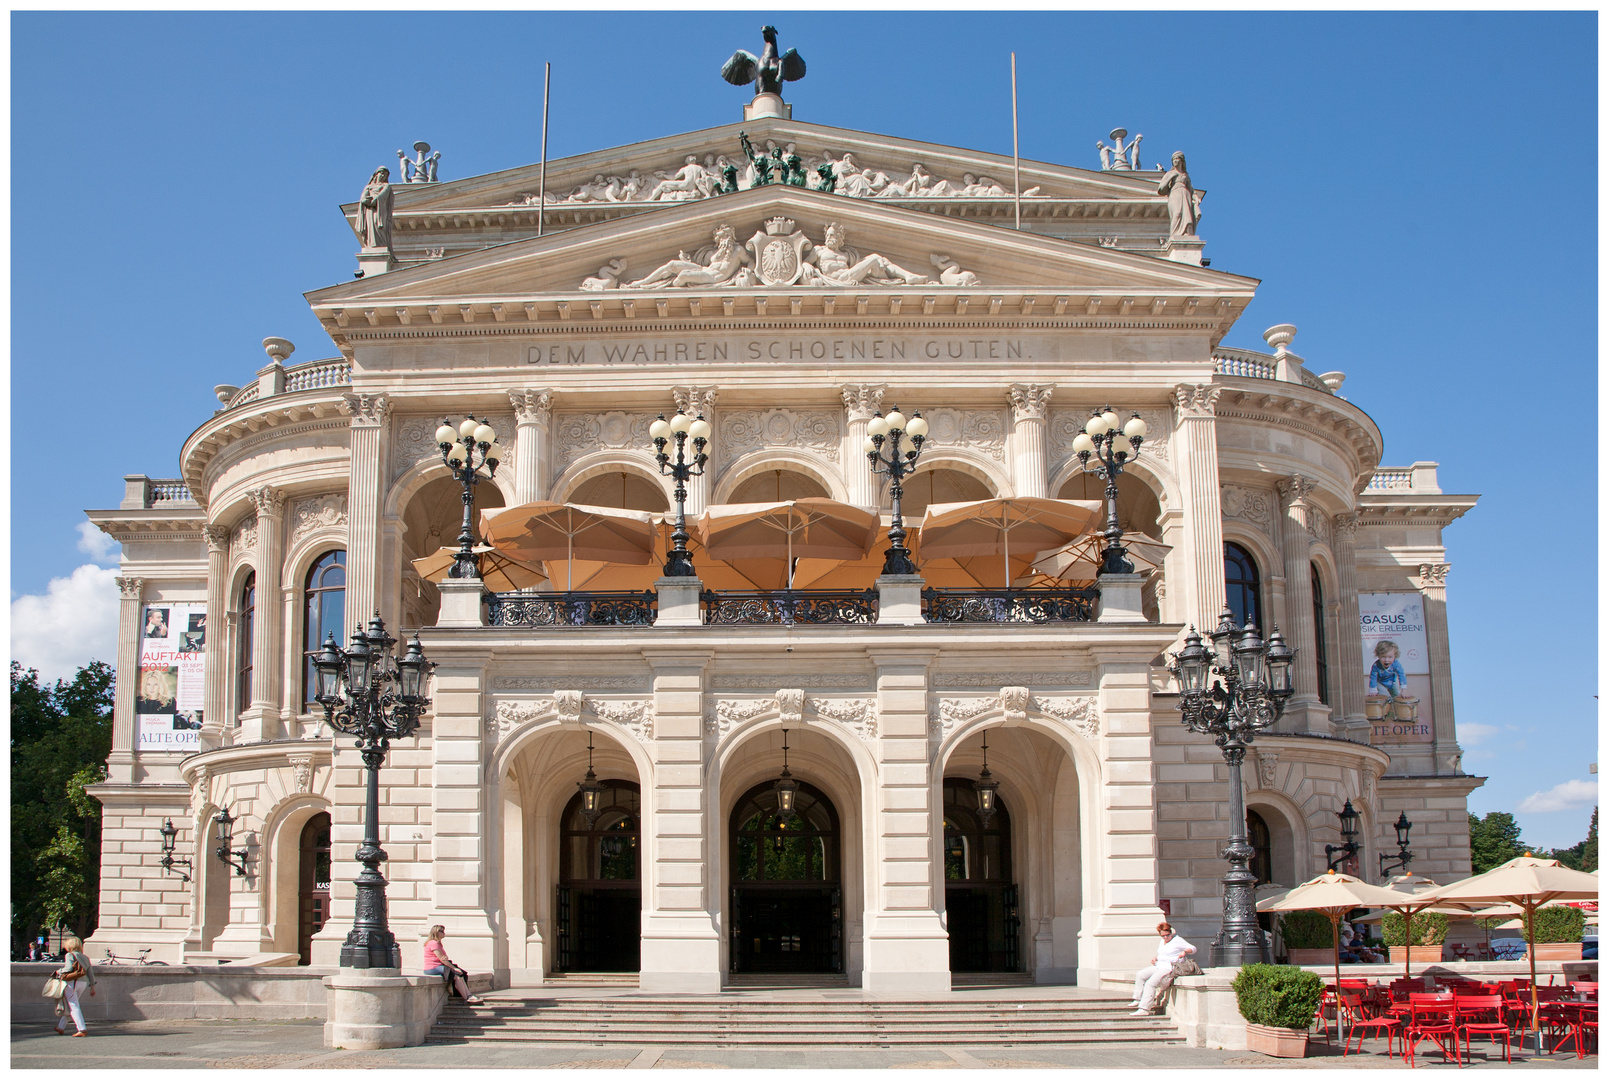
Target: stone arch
603 462
788 460
992 474
281 843
1288 835
1160 482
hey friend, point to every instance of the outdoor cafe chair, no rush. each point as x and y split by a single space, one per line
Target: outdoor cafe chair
1483 1015
1433 1019
1361 1024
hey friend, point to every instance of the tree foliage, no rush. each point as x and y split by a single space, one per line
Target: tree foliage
61 735
1582 856
1493 841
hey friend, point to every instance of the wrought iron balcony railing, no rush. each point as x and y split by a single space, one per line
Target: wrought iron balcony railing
573 609
1010 605
790 608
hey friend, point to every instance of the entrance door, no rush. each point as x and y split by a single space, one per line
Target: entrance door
598 909
980 899
786 904
313 889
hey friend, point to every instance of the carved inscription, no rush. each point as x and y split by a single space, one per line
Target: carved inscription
785 349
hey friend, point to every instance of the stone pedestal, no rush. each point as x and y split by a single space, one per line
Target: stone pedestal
899 599
1120 598
678 601
381 1008
1185 249
461 602
767 105
371 263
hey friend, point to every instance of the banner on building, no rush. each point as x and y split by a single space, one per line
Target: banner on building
169 696
1396 655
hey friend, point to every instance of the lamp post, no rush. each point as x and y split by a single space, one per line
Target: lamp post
591 790
1104 440
1249 695
897 465
227 854
369 693
169 836
459 449
1404 857
1338 854
680 428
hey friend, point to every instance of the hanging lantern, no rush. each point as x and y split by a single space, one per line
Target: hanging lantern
786 787
986 786
591 790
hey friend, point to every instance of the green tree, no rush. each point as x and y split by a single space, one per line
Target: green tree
1493 840
61 735
1582 856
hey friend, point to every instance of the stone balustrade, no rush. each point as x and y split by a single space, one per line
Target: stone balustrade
140 492
1418 477
314 375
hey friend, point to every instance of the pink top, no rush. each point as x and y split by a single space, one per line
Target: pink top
435 955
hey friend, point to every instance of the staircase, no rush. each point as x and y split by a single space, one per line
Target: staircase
759 1020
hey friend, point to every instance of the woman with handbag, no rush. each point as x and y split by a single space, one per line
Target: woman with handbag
436 963
1149 982
74 972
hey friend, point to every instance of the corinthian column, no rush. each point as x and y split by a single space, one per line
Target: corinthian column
533 412
214 702
1028 404
1203 560
120 765
699 401
1352 676
261 721
1432 584
860 402
369 413
1304 712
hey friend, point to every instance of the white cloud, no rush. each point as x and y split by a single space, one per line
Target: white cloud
1475 734
74 622
96 544
1565 796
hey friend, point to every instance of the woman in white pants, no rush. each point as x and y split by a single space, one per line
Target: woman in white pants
1147 980
73 959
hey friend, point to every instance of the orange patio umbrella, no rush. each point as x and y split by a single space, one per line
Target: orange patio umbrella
544 531
995 526
812 527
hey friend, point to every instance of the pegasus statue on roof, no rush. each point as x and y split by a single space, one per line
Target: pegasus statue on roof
768 71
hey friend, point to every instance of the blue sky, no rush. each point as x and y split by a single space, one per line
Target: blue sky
1418 194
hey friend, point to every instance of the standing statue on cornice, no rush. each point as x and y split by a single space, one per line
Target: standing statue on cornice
768 71
374 212
1118 156
1184 201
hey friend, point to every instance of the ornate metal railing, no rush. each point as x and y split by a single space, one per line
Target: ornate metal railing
318 375
1010 605
572 609
790 608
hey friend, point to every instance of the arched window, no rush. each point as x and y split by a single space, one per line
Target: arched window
323 612
1262 846
1241 586
248 613
768 847
974 851
1320 654
604 850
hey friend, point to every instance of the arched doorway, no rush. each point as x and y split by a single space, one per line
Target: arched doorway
598 909
787 899
980 895
313 887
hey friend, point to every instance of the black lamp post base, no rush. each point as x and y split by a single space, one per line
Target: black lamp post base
378 951
1228 952
680 564
898 561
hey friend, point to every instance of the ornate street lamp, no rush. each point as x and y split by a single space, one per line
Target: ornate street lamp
370 694
229 855
1249 695
467 449
786 787
169 835
1338 854
896 466
986 786
1404 857
591 790
1105 441
678 563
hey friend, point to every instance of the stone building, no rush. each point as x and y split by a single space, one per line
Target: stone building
567 324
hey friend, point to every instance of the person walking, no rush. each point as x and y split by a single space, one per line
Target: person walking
437 963
1147 981
75 972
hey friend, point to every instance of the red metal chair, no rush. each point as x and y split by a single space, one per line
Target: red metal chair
1483 1015
1362 1024
1433 1019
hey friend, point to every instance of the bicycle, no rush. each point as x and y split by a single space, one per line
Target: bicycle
143 961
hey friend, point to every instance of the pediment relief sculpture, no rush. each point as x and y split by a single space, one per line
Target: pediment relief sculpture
859 715
780 254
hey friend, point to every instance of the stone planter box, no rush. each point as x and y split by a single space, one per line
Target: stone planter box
1422 954
1276 1042
1310 956
1558 951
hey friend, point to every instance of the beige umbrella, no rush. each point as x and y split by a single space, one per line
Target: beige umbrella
1081 560
862 573
499 572
1528 883
744 574
542 531
995 526
812 527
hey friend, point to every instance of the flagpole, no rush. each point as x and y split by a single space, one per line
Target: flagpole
542 184
1016 161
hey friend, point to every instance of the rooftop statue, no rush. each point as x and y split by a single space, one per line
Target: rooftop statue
421 169
374 212
1118 156
768 71
1184 201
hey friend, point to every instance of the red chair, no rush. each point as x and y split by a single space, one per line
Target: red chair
1588 988
1483 1015
1433 1019
1362 1024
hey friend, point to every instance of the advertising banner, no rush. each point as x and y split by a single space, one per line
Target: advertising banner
1396 655
171 690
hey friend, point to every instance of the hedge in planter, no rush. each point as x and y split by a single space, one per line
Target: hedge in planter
1429 928
1306 930
1278 996
1557 925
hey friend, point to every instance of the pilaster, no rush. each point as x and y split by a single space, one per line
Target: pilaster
463 884
1028 404
261 720
369 414
1353 676
1196 408
533 416
1432 585
700 401
861 401
1304 712
215 704
125 735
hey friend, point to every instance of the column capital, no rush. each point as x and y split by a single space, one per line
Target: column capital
1200 400
269 501
130 587
861 400
1029 400
1432 576
532 406
1346 526
1294 491
694 399
217 537
366 410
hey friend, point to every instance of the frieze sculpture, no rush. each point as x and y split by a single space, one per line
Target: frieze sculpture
608 277
768 71
831 263
421 169
721 264
1080 713
1184 201
374 212
1117 156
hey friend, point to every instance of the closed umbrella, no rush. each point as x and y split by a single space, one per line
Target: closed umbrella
543 531
806 528
499 572
1528 883
995 526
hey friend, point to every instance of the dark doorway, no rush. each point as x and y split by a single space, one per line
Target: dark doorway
599 903
313 889
786 902
980 898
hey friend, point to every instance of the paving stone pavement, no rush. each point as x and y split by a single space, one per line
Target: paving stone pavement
263 1044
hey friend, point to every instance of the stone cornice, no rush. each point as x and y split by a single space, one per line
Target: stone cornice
1417 508
269 418
1311 412
274 753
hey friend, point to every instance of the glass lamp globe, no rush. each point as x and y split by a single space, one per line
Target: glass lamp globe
659 429
494 452
457 453
916 427
1135 428
1111 419
484 434
467 428
896 420
700 429
680 423
877 426
1095 426
445 434
1083 444
870 445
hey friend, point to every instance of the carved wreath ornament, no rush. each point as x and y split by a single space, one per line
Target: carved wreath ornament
567 706
1079 713
857 714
